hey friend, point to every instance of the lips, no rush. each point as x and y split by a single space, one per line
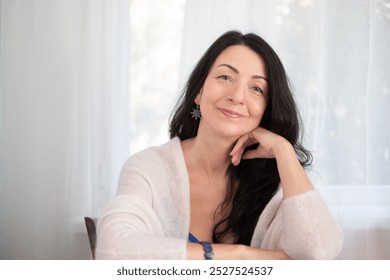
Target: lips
230 114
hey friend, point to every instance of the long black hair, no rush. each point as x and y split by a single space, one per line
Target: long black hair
257 179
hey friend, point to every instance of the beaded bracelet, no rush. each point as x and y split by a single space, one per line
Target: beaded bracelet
208 250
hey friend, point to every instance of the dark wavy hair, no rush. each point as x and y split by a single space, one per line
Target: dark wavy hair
257 179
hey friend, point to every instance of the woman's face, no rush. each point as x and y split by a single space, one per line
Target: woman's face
234 96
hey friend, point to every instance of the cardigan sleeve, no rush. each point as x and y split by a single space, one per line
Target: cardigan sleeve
305 229
136 223
129 229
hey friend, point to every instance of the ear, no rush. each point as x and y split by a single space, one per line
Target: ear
199 96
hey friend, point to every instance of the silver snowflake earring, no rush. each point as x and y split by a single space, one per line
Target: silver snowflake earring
195 114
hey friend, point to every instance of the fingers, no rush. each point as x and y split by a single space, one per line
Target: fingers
264 150
240 144
239 148
260 152
236 156
251 154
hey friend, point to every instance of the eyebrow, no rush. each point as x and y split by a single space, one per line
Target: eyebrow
235 70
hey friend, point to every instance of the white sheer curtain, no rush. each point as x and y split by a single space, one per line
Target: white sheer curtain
65 130
64 133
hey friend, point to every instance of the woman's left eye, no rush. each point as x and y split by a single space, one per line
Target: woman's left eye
257 89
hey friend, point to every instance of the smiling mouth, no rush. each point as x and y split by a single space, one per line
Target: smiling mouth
230 114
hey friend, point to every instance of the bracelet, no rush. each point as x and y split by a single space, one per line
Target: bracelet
208 250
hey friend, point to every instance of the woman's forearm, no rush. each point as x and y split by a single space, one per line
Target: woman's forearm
293 177
234 252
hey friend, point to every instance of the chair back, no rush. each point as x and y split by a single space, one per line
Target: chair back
90 223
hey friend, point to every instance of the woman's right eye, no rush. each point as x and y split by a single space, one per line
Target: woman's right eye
225 78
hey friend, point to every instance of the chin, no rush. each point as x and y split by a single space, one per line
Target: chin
231 130
233 134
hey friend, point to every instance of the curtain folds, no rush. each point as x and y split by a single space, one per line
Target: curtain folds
64 92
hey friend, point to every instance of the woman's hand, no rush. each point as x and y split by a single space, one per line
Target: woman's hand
268 145
293 178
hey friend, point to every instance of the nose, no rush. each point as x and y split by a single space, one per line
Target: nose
237 95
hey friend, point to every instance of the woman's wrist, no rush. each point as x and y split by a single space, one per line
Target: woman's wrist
208 250
282 148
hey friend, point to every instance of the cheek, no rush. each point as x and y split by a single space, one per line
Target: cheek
210 95
213 89
257 110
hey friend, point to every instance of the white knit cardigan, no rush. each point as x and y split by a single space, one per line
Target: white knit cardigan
149 217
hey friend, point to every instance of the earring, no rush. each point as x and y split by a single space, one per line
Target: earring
195 114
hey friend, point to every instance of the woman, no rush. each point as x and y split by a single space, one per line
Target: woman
230 184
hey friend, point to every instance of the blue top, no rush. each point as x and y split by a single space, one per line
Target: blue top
192 238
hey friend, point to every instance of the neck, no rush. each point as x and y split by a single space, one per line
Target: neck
209 154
